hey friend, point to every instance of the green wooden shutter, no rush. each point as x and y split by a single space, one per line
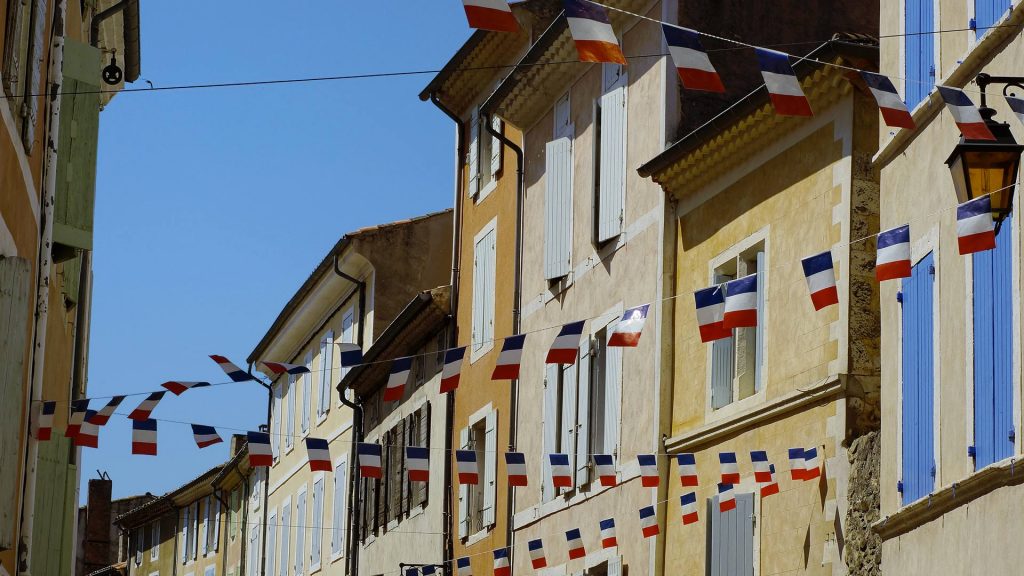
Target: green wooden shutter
55 508
14 317
76 148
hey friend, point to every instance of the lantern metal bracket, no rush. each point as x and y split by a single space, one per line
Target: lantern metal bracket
983 80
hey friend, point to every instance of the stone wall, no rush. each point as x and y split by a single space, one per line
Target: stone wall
863 547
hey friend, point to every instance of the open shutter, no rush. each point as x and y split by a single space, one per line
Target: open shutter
463 489
583 415
723 362
184 534
35 68
275 432
490 466
490 272
558 208
337 518
612 395
307 392
474 153
918 380
919 47
421 493
479 291
14 329
550 426
762 289
204 506
568 431
55 499
496 147
612 176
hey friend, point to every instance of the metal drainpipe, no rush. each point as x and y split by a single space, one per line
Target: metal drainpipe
266 477
453 336
516 312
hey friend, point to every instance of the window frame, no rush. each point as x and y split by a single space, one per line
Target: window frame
489 460
154 539
486 343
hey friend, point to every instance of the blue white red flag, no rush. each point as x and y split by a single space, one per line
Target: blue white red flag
892 259
452 369
592 31
796 463
730 468
463 567
205 435
726 498
687 469
688 502
507 367
762 468
649 522
975 230
894 110
102 416
178 387
787 96
369 459
493 15
821 279
812 466
575 542
608 539
966 115
88 435
626 333
44 425
772 485
515 467
567 344
146 407
710 314
144 437
417 461
76 417
278 368
691 60
604 464
349 354
399 377
468 470
537 558
261 455
501 564
561 473
649 477
741 303
234 372
319 453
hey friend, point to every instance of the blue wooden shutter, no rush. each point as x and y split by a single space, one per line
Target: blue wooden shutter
558 208
731 538
988 12
919 18
918 381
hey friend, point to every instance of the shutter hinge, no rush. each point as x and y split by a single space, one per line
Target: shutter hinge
899 297
899 486
972 24
931 71
933 471
931 269
972 451
1012 435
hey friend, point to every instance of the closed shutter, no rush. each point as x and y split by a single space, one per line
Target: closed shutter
203 507
490 467
612 395
463 489
286 538
326 360
300 533
271 546
490 278
918 381
35 69
988 12
71 276
567 441
484 255
474 153
54 508
762 289
216 523
496 149
185 525
731 538
558 208
289 414
317 524
612 161
551 430
919 44
420 492
614 566
338 524
583 415
14 330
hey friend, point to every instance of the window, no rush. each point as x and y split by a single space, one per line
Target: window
394 476
289 415
307 393
919 49
139 545
286 536
326 374
485 153
993 351
276 436
16 56
476 502
300 532
484 268
558 195
917 422
730 547
154 541
272 543
338 516
348 332
737 361
316 532
610 154
988 12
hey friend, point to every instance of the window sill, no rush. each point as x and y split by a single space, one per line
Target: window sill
486 190
336 556
629 471
473 539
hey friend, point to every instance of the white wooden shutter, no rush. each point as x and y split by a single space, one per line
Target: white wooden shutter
289 414
337 519
568 432
463 489
479 286
490 272
759 331
194 539
496 150
558 208
490 466
186 521
615 566
216 524
474 153
275 432
583 414
550 427
612 177
612 395
300 533
307 392
722 366
204 505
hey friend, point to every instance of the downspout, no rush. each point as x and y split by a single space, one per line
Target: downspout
43 262
266 477
453 335
244 544
174 556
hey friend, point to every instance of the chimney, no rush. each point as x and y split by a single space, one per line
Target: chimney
237 441
97 526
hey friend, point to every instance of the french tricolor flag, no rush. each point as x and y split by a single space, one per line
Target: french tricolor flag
648 470
349 354
812 467
592 32
796 463
537 558
561 473
144 437
417 461
515 467
730 468
787 96
1017 105
575 542
44 426
687 469
604 464
76 417
762 468
688 502
501 565
369 459
319 454
494 15
205 435
692 62
821 279
178 387
463 567
741 303
88 435
710 314
260 452
726 498
566 345
102 416
894 110
469 472
395 388
975 231
649 522
771 486
278 368
892 258
966 115
608 539
452 369
507 367
234 372
146 407
626 333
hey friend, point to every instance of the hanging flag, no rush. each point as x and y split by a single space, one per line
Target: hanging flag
575 541
463 566
772 485
44 426
975 231
395 388
260 453
278 368
730 468
648 470
507 367
892 259
687 469
688 502
515 466
234 372
821 279
649 522
726 498
604 464
417 461
144 437
966 115
88 435
501 565
691 61
452 369
812 469
428 570
102 416
741 303
369 459
561 473
710 312
146 407
493 15
1017 105
537 559
893 110
626 334
205 435
349 354
592 32
319 454
796 463
566 345
76 416
178 387
762 469
787 96
412 571
608 539
469 472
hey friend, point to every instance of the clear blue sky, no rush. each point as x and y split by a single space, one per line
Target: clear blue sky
214 205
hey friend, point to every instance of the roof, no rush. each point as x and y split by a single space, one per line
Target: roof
169 502
235 468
